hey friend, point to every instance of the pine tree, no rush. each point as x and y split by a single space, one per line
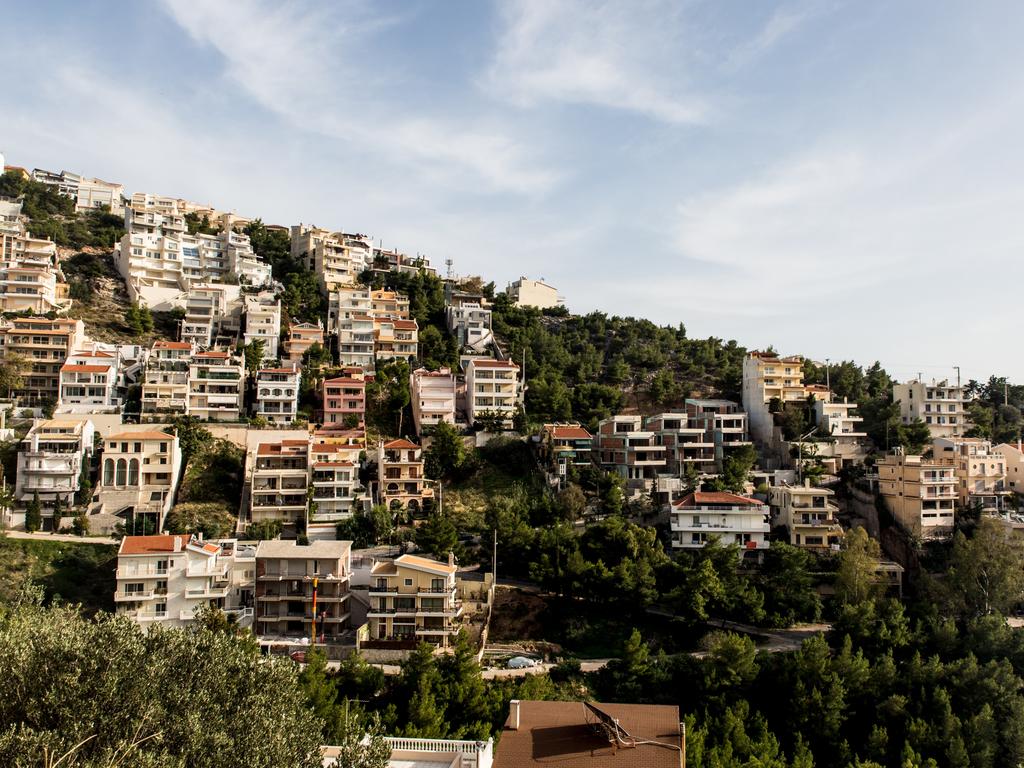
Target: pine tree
34 514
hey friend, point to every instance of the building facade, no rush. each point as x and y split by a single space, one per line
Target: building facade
139 475
809 515
732 519
44 345
432 397
165 380
940 405
920 494
402 482
216 385
280 479
413 599
51 460
277 394
525 292
492 389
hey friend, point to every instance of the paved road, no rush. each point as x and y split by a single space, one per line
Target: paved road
59 537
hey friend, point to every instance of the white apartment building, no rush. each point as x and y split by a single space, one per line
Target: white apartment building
50 460
732 519
216 384
337 492
921 494
492 387
280 477
349 314
263 322
165 380
88 382
940 405
525 292
167 580
809 515
88 193
159 260
980 471
432 396
210 310
471 324
336 258
840 420
139 474
31 285
277 394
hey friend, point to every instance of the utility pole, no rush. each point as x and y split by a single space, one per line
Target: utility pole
828 379
494 561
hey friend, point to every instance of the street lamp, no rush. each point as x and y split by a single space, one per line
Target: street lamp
800 452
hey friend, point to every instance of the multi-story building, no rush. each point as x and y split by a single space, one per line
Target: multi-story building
139 475
392 260
88 193
839 419
808 514
980 471
263 322
623 445
302 592
471 324
211 310
31 282
216 383
301 336
344 399
277 394
395 339
432 396
769 379
51 458
940 405
280 477
920 494
349 316
337 492
1013 459
88 382
525 292
402 483
565 445
700 435
385 303
44 345
160 260
169 579
732 519
165 380
336 258
492 389
413 600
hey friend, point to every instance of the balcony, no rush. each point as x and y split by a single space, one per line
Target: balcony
131 597
218 570
211 593
141 571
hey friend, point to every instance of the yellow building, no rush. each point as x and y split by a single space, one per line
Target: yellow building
920 494
808 514
413 599
980 471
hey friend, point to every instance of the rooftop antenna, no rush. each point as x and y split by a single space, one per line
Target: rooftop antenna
448 263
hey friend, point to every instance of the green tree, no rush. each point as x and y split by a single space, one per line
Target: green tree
69 700
446 455
254 355
857 577
573 501
58 511
787 584
80 525
34 514
264 529
986 572
437 536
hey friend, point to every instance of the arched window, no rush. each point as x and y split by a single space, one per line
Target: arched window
122 471
133 472
108 472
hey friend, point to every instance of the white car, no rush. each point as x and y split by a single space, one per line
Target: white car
522 662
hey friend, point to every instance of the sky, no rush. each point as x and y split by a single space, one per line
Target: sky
842 180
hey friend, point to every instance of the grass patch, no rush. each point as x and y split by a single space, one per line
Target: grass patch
73 572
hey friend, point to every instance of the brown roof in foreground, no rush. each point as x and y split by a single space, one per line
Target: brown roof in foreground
566 734
140 436
570 433
701 498
401 444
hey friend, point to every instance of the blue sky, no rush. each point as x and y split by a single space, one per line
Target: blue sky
838 179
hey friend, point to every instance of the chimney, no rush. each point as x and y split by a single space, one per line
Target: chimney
178 543
807 482
513 715
451 559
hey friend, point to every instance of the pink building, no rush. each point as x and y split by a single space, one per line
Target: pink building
345 400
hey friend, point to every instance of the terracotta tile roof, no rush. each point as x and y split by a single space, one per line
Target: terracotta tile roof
425 562
345 380
570 433
278 370
494 364
568 734
276 449
140 436
171 345
319 464
213 355
405 325
701 498
401 445
145 545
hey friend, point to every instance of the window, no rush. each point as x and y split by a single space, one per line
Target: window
408 582
121 474
108 472
133 472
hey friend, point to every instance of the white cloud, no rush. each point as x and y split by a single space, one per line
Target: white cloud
311 66
782 23
628 56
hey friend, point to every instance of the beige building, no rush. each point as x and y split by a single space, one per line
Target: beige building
980 471
87 193
492 388
402 482
216 384
349 309
302 592
920 494
432 397
940 405
525 292
165 380
624 445
334 459
336 258
167 580
385 303
809 515
1013 458
44 345
139 475
301 336
88 382
280 478
412 600
768 377
395 339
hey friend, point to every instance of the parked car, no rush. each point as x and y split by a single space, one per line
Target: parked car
522 662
